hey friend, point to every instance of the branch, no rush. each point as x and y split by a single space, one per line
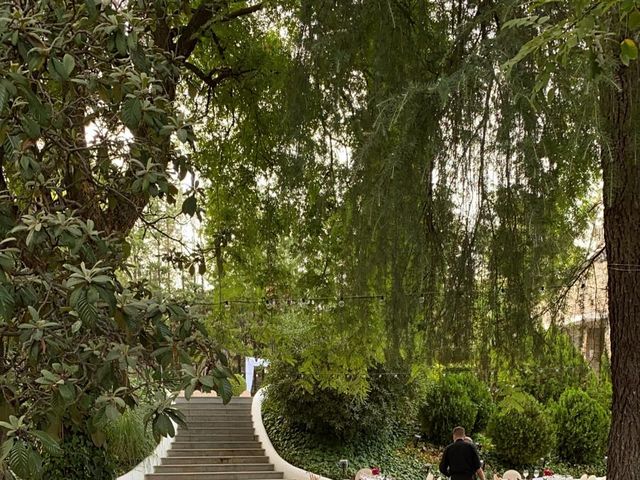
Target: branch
209 79
201 17
241 12
3 181
189 36
576 276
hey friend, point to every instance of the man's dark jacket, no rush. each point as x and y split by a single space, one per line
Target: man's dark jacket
460 461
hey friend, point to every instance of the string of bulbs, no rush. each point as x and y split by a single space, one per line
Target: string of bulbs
271 303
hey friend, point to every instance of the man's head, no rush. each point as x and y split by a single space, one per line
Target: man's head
459 433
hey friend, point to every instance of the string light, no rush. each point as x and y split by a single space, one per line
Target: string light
325 302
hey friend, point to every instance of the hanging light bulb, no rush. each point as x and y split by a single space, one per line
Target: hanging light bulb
341 302
227 305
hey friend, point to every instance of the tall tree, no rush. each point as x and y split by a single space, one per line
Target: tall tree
602 37
89 129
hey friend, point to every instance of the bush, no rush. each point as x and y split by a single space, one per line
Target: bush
521 430
239 385
479 394
583 426
556 366
331 416
447 405
129 440
80 458
305 451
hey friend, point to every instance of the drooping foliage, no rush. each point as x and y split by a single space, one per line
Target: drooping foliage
381 151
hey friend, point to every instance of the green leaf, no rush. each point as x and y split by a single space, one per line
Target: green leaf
162 426
68 63
628 50
112 412
182 135
207 381
31 128
4 96
57 69
98 438
225 389
189 206
18 459
49 444
34 313
634 20
132 113
67 391
6 448
75 328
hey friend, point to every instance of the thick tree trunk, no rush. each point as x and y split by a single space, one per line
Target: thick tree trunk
620 110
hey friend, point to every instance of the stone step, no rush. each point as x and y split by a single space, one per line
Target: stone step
215 452
215 400
218 433
217 414
212 467
188 443
215 406
221 425
217 427
228 460
214 476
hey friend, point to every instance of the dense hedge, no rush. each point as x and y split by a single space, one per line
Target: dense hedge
556 366
479 394
521 430
80 458
583 426
308 452
447 405
337 417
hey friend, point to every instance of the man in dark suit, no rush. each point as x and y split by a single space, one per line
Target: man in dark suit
460 460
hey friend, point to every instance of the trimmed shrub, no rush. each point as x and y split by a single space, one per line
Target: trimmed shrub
479 394
239 385
331 416
447 405
583 426
521 430
556 366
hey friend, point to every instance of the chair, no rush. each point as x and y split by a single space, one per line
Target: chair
511 475
363 473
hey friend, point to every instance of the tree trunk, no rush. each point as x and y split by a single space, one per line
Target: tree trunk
620 110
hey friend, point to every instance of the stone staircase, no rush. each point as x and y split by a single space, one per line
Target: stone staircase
219 444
